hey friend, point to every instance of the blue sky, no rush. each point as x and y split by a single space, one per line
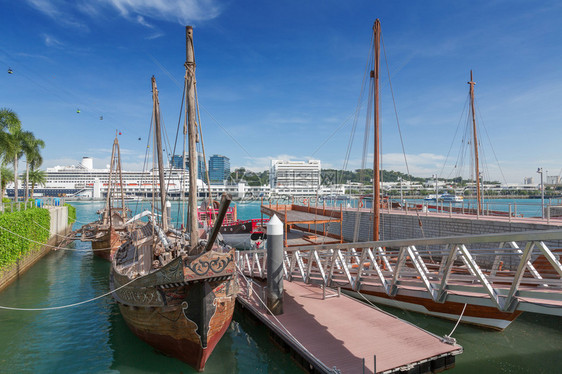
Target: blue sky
281 80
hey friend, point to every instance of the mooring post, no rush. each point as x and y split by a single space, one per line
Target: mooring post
363 365
274 299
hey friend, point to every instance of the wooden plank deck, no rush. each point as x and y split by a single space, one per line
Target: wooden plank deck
296 238
296 218
340 332
293 214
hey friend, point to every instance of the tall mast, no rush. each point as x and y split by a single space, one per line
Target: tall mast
376 162
476 162
110 185
184 156
120 172
114 167
192 136
158 137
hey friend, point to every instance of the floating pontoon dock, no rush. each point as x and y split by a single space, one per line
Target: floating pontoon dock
340 334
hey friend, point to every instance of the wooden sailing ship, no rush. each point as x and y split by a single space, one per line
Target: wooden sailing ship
109 232
176 289
480 315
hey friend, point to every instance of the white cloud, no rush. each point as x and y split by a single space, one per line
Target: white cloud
45 6
142 21
156 35
180 11
58 10
183 11
51 41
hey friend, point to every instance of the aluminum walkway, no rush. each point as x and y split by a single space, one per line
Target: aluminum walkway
510 272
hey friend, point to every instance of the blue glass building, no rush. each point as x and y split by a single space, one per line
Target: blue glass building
219 168
177 162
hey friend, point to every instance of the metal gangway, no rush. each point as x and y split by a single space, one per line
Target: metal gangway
510 271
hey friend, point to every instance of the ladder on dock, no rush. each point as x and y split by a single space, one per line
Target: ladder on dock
511 272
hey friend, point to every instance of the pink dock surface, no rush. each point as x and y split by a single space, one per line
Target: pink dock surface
340 331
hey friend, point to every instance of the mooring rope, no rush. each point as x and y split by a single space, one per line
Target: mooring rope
271 313
46 229
69 305
458 321
54 246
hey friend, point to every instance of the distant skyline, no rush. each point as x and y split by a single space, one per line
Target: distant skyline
281 80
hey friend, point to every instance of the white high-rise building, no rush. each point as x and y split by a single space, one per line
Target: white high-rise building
295 177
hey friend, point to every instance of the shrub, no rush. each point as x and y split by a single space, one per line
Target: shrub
25 225
71 213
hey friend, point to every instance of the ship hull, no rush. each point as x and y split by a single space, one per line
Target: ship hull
182 309
483 316
169 331
106 246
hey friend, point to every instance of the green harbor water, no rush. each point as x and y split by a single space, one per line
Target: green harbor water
93 338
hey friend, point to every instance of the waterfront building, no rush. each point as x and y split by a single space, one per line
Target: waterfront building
294 178
219 168
177 162
553 179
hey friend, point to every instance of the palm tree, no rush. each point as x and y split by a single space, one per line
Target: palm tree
32 148
17 139
8 121
37 177
7 175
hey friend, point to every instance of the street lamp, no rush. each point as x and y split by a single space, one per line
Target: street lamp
539 170
401 195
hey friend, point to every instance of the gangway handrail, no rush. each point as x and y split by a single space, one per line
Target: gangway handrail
395 266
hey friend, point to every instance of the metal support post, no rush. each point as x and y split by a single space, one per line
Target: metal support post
274 299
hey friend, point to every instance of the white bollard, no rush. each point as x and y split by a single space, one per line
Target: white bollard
274 298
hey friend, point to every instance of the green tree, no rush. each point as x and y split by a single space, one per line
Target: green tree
6 176
37 177
16 138
32 149
8 121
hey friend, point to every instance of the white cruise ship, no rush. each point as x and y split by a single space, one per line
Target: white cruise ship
83 180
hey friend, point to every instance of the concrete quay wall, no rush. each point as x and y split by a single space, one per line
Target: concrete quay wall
59 227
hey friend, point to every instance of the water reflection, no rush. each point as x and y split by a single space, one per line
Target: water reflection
93 337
